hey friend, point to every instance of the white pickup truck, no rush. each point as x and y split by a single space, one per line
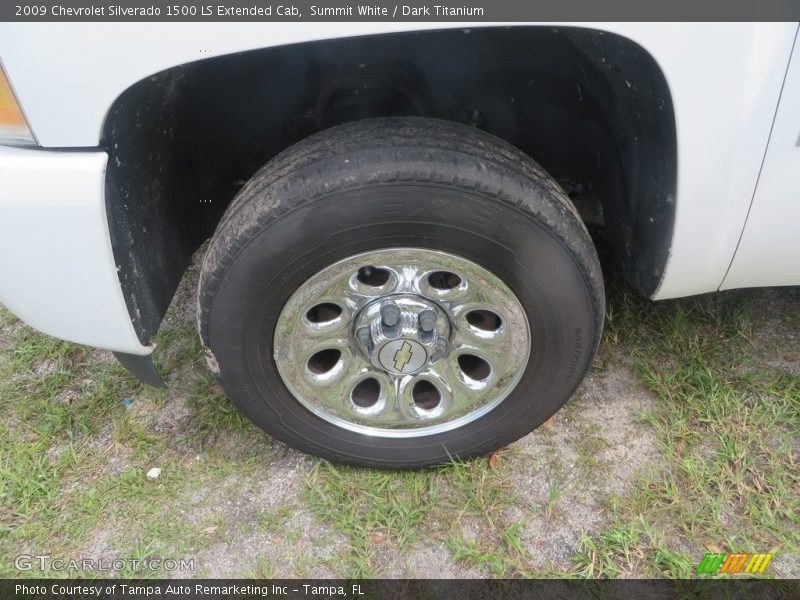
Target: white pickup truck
396 271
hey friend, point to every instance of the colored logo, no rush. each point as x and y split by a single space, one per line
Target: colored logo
743 562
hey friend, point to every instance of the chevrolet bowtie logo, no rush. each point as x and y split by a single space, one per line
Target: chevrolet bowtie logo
402 356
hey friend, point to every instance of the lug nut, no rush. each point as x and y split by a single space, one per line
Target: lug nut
427 321
362 334
390 314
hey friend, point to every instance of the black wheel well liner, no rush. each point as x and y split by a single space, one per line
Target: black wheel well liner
593 108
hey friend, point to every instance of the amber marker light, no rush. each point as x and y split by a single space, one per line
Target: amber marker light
14 129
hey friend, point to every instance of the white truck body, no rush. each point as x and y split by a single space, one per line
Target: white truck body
735 90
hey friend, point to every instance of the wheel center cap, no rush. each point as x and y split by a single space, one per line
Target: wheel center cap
402 333
403 356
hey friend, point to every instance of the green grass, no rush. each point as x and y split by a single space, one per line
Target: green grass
371 508
727 477
376 510
64 421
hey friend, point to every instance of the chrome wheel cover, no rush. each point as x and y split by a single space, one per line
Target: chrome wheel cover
402 342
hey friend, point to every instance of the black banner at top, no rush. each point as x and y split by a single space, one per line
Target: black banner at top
478 11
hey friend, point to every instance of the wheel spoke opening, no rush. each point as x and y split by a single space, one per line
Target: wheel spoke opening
474 367
324 361
444 280
373 276
485 320
426 395
325 312
366 393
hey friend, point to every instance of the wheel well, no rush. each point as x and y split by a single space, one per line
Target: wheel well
592 108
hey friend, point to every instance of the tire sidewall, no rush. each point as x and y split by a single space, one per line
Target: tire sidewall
543 269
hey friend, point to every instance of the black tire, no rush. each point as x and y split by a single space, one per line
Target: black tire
400 182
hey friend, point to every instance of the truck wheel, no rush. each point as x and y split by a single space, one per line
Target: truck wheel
399 292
